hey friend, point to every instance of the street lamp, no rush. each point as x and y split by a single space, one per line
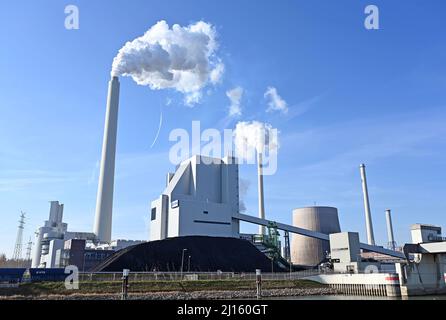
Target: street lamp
188 265
182 263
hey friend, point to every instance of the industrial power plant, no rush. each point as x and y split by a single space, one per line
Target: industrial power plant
198 211
238 152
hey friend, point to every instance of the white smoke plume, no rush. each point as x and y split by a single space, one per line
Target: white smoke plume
255 135
235 96
243 191
179 58
275 102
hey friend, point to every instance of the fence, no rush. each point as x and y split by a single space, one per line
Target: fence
176 276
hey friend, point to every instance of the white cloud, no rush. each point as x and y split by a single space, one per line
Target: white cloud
217 73
275 101
235 96
180 58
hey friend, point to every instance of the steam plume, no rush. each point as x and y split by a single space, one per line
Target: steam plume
258 135
243 191
180 58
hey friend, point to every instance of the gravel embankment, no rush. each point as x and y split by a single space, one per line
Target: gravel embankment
177 295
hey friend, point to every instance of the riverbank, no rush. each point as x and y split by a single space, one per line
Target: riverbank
166 290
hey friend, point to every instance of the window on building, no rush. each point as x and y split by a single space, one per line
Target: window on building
153 214
206 212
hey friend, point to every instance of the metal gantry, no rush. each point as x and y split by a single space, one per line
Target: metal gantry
29 249
18 242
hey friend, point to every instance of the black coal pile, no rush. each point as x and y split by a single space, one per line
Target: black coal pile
206 254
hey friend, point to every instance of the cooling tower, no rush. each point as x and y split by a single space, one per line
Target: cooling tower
104 201
308 251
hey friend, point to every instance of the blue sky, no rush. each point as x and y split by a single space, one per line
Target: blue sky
354 95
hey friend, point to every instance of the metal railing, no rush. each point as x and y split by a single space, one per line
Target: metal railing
177 276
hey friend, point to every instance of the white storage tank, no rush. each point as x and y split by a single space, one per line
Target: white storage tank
306 251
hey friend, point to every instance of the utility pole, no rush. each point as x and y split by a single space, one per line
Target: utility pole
18 242
288 250
287 246
272 264
182 263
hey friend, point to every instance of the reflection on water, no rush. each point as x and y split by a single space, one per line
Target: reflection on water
345 297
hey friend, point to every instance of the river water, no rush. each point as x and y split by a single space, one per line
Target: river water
346 297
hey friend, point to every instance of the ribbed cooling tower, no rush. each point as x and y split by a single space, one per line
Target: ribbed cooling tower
307 251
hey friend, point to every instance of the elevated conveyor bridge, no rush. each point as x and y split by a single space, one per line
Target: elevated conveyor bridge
311 234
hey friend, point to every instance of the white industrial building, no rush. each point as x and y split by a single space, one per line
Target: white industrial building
200 198
51 237
421 269
422 233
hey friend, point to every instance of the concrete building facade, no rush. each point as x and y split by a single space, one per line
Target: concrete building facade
345 251
200 198
51 236
422 233
75 252
53 228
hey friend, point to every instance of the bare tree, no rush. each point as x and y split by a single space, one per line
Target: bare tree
3 260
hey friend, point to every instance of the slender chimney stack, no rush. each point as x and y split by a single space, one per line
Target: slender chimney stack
368 215
392 243
104 201
260 190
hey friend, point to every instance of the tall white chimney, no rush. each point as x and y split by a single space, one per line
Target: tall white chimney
368 215
104 201
260 190
392 243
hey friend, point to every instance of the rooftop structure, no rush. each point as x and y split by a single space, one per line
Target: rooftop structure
422 233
